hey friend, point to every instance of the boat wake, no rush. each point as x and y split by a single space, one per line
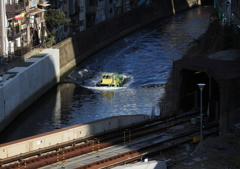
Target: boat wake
104 88
88 79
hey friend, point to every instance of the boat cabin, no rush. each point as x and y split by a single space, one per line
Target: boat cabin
107 78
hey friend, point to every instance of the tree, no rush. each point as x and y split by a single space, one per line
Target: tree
55 18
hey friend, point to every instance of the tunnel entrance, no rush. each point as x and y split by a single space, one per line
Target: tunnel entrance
190 94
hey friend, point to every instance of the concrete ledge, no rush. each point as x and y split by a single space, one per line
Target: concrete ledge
68 134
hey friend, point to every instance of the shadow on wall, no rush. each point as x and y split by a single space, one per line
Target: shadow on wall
84 44
89 41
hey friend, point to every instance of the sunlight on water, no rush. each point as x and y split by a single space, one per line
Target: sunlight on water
144 57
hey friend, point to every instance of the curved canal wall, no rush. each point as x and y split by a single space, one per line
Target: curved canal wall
26 84
84 44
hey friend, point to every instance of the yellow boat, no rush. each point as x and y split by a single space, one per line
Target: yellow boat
111 80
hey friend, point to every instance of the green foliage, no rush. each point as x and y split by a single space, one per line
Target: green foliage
55 18
50 40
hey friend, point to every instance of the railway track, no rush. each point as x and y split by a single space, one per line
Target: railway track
113 148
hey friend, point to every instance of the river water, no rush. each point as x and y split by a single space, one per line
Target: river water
145 59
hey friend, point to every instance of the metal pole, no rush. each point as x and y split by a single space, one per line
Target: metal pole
201 86
201 146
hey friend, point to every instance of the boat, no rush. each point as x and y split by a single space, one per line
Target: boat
111 80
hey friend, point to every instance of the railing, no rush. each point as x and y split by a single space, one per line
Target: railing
14 32
7 59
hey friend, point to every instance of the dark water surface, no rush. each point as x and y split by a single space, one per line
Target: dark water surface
144 57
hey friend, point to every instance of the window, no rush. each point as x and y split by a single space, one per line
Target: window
119 10
81 23
91 2
81 9
110 1
65 1
66 28
110 10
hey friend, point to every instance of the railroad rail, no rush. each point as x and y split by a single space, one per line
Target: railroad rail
84 147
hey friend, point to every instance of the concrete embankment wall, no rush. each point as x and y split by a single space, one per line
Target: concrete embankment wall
84 44
27 82
68 134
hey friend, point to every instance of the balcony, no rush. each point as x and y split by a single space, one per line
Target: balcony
15 8
14 33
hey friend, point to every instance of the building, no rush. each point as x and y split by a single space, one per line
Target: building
91 8
3 31
25 26
43 5
82 14
143 2
75 11
100 11
17 27
118 7
109 9
35 12
62 32
122 6
77 16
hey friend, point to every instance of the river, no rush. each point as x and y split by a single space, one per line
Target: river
144 57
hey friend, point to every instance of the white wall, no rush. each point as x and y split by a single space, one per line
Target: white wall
27 84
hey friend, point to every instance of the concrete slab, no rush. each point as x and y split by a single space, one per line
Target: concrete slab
231 54
144 165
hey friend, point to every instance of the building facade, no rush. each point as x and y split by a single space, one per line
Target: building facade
16 26
109 9
3 35
23 25
77 16
100 11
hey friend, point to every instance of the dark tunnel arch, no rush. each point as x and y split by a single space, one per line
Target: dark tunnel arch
190 92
